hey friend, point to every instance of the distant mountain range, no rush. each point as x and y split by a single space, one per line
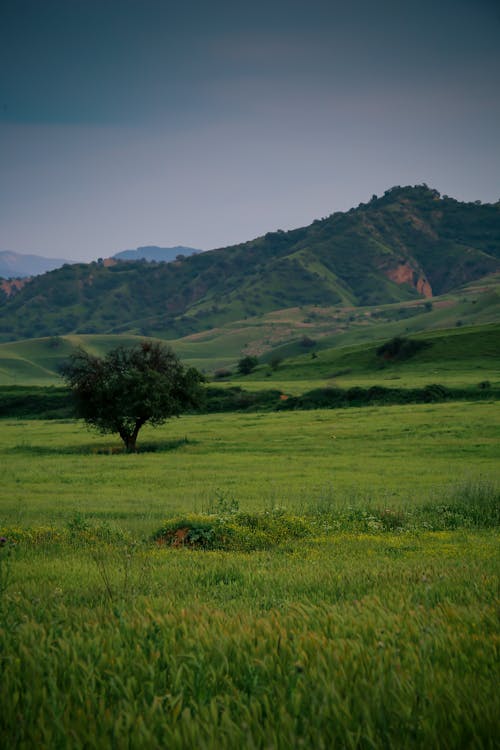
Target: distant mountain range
409 243
16 265
156 254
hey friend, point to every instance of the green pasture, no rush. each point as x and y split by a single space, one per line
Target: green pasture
279 333
454 357
395 455
375 628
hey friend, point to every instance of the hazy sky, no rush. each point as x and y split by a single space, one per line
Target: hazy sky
206 122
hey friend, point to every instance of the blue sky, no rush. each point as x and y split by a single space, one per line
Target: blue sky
153 122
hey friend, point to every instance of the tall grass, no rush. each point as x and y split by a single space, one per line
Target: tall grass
359 641
364 614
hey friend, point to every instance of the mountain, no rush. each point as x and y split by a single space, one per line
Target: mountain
16 265
156 254
409 244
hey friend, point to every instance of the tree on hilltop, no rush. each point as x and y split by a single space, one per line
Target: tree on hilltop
128 387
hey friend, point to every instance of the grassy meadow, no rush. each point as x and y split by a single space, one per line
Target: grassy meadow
393 455
340 587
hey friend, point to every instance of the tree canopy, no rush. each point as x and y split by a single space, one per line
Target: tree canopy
130 386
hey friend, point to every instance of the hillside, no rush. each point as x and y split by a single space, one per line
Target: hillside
289 332
410 244
462 355
454 357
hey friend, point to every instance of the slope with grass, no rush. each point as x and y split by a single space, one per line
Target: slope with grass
453 357
279 335
409 244
37 361
459 358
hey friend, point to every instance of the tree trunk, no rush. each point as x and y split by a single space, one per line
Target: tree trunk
130 438
130 444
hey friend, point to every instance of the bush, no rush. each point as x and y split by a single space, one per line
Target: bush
233 530
35 402
247 364
223 372
275 362
307 342
236 399
435 392
400 348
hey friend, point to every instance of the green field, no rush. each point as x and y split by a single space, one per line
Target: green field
359 609
394 455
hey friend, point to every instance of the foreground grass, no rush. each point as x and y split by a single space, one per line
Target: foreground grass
356 640
372 623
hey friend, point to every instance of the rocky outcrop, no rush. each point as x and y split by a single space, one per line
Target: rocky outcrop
405 274
11 286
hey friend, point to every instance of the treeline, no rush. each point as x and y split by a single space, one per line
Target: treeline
35 402
236 399
25 402
339 398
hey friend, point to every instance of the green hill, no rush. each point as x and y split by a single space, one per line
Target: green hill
457 356
454 357
36 361
410 244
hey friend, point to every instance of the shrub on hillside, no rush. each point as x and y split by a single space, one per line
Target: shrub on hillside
307 342
223 372
400 348
275 362
247 364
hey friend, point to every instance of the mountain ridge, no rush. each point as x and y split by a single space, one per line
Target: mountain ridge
410 243
15 265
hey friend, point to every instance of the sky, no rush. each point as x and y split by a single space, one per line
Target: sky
208 123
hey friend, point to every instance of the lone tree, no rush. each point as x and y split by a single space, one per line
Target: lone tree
129 387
